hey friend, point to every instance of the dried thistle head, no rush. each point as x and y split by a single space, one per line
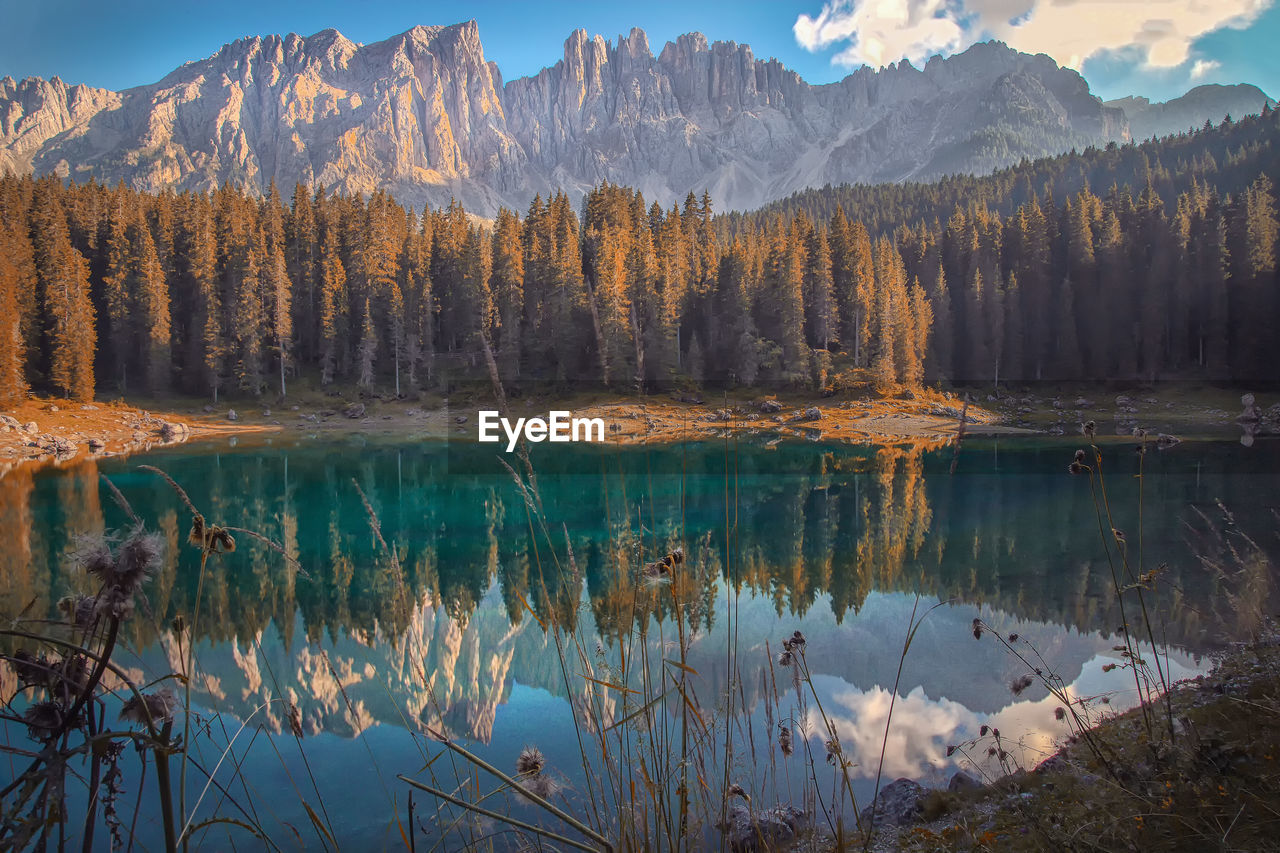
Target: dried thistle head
95 558
31 670
196 536
80 610
150 708
43 719
795 642
210 538
1090 428
1060 713
736 790
982 732
977 628
786 658
221 542
833 750
124 571
1019 684
115 603
530 762
71 676
136 559
785 742
543 786
1013 638
656 573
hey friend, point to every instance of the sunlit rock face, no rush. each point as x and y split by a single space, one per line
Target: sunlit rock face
424 115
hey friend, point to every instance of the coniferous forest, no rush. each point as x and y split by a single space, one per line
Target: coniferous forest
1135 262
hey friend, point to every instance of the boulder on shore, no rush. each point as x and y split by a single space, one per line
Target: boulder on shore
766 829
898 803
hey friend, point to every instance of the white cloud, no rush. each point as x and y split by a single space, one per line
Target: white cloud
1161 32
882 31
1204 67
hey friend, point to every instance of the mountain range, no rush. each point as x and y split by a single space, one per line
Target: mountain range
425 116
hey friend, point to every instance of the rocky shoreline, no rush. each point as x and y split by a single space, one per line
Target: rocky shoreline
1164 793
41 432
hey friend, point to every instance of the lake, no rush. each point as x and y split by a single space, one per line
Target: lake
451 634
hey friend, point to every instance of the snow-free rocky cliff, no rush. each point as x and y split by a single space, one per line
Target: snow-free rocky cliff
426 117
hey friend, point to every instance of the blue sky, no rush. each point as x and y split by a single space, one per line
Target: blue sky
1157 48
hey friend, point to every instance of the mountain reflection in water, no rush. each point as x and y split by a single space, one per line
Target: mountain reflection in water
835 541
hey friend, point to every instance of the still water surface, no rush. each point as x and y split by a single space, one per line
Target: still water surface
834 541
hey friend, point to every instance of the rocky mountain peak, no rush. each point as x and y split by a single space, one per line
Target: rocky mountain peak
426 116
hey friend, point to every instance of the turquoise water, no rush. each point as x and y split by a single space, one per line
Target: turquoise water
835 541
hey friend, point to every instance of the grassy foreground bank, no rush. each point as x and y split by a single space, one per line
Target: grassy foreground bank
1210 782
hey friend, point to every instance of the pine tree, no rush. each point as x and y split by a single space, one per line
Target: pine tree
248 321
1256 291
333 308
368 352
152 308
277 296
820 315
737 353
916 346
780 309
68 315
507 286
15 202
122 323
853 281
206 341
13 383
419 303
941 340
303 255
891 333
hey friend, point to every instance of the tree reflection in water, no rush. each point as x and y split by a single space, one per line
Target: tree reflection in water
802 533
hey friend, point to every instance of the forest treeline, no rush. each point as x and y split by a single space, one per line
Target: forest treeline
1166 271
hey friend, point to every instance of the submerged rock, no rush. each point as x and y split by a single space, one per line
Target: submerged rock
1252 413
